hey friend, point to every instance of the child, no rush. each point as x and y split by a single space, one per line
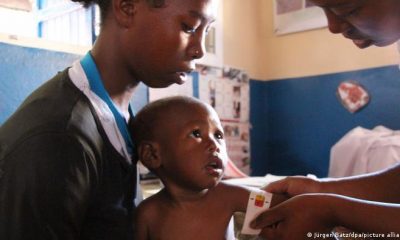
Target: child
182 141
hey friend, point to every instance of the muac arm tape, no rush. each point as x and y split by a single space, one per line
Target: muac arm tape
259 201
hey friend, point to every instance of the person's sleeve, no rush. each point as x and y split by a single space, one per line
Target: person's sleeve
45 187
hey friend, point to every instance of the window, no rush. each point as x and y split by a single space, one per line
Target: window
54 20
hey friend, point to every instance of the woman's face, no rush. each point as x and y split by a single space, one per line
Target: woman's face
162 43
365 22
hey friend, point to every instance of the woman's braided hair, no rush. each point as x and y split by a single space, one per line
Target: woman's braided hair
105 4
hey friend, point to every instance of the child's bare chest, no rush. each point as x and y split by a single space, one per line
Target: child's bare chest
208 223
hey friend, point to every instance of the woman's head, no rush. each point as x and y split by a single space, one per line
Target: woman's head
105 4
366 22
171 39
156 41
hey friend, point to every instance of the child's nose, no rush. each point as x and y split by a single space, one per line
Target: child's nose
213 145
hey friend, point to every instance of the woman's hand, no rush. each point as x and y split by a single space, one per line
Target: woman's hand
292 186
301 217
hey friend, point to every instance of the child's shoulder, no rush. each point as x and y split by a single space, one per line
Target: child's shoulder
228 190
224 187
151 205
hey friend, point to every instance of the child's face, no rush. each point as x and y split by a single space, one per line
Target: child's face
366 22
192 147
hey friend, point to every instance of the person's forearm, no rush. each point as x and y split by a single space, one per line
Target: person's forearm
382 186
366 216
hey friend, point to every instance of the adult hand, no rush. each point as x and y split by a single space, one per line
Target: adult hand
301 217
293 186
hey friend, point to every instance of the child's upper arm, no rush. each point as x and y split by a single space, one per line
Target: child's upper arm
236 195
140 223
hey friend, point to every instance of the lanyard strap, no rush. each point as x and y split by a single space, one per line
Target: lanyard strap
96 85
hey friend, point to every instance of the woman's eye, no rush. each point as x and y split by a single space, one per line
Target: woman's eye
195 133
352 13
188 29
348 13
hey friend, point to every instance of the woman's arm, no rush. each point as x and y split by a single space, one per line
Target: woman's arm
238 196
380 186
315 214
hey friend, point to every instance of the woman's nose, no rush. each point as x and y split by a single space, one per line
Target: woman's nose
197 47
335 23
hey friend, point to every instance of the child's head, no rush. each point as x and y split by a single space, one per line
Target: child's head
181 139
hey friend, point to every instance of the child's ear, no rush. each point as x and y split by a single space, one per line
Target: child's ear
149 154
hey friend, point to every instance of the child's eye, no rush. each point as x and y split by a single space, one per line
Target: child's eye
188 29
195 133
219 135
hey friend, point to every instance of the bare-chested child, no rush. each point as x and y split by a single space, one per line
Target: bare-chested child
182 141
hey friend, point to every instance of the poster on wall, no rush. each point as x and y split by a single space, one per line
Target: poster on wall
352 95
297 15
185 89
238 143
227 90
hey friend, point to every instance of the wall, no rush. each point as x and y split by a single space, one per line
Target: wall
297 119
241 35
22 70
26 64
282 112
250 44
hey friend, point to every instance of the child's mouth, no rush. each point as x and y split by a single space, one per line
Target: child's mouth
215 166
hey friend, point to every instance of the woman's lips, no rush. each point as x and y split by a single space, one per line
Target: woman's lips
182 76
362 43
358 40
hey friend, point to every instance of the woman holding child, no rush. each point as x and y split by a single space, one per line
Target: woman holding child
66 165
